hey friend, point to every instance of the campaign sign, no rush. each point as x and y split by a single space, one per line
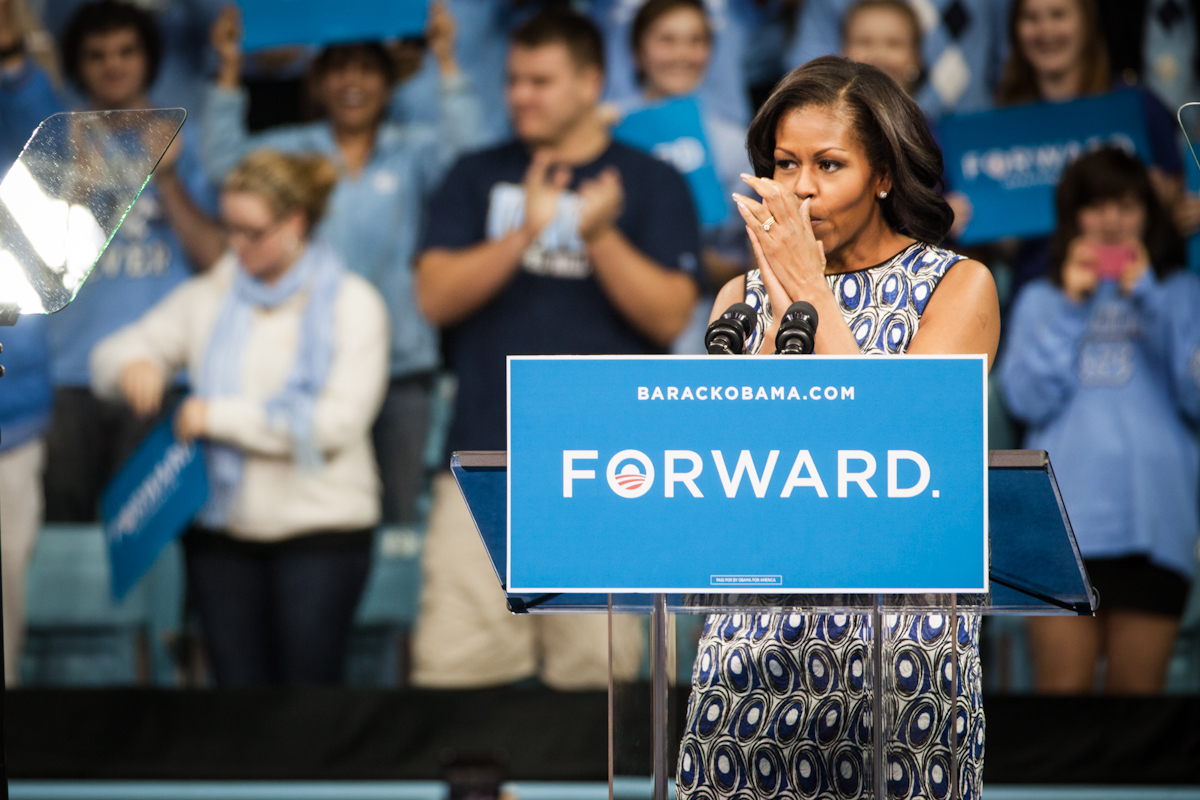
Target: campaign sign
672 132
768 475
150 502
1008 161
274 23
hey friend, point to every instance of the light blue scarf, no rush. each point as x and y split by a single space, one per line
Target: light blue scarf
318 270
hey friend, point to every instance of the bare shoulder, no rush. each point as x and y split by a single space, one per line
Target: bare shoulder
967 283
732 292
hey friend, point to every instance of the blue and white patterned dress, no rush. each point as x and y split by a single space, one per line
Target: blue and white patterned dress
779 705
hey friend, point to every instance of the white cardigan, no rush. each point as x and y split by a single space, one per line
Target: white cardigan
276 500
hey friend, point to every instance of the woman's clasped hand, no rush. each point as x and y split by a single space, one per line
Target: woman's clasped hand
790 256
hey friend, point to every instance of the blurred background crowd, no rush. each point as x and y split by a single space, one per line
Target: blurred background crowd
330 264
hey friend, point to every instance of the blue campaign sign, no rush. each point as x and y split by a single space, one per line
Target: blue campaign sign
788 474
673 132
274 23
1008 161
150 502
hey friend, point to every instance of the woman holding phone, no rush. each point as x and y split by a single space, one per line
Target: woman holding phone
850 222
1103 364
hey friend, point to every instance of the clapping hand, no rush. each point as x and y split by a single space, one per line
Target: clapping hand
544 182
603 199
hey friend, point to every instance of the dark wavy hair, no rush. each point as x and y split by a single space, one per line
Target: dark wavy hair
1100 176
890 127
106 16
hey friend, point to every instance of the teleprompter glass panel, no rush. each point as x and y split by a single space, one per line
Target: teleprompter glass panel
66 196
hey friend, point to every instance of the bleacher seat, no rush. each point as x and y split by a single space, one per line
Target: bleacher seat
77 634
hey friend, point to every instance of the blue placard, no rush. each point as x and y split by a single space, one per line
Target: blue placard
673 132
150 502
274 23
813 474
1008 161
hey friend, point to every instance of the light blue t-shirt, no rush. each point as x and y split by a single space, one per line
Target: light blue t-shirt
373 220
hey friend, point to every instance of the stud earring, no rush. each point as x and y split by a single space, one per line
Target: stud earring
883 195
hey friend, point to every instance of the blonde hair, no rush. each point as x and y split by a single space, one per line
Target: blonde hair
286 182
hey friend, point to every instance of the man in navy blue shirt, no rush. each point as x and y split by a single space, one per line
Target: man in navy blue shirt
560 242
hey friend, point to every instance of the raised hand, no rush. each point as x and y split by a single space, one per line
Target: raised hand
226 39
1079 276
544 182
1135 269
440 33
602 200
789 255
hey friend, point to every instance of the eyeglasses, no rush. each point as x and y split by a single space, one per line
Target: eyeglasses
250 235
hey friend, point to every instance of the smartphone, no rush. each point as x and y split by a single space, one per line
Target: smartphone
1111 260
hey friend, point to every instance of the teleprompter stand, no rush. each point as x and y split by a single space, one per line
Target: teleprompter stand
1035 569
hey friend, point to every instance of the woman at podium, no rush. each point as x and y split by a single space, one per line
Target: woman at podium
850 220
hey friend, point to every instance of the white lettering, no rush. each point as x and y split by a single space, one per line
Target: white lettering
700 392
814 393
847 392
688 479
687 393
643 393
761 394
745 464
894 457
804 461
831 393
570 474
731 393
672 392
657 394
148 498
793 394
776 392
747 392
845 476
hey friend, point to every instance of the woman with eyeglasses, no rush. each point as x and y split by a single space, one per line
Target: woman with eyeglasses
288 356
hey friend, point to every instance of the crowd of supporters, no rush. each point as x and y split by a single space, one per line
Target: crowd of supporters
336 228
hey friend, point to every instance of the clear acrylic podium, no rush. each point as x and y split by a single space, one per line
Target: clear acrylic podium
61 203
1035 569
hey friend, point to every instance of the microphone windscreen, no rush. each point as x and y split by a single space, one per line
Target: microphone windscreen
806 309
744 313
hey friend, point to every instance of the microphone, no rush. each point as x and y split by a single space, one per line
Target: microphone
726 336
797 330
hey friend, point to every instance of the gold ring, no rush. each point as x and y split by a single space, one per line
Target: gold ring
767 225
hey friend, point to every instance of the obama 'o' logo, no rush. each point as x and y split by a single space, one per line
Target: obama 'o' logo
624 476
